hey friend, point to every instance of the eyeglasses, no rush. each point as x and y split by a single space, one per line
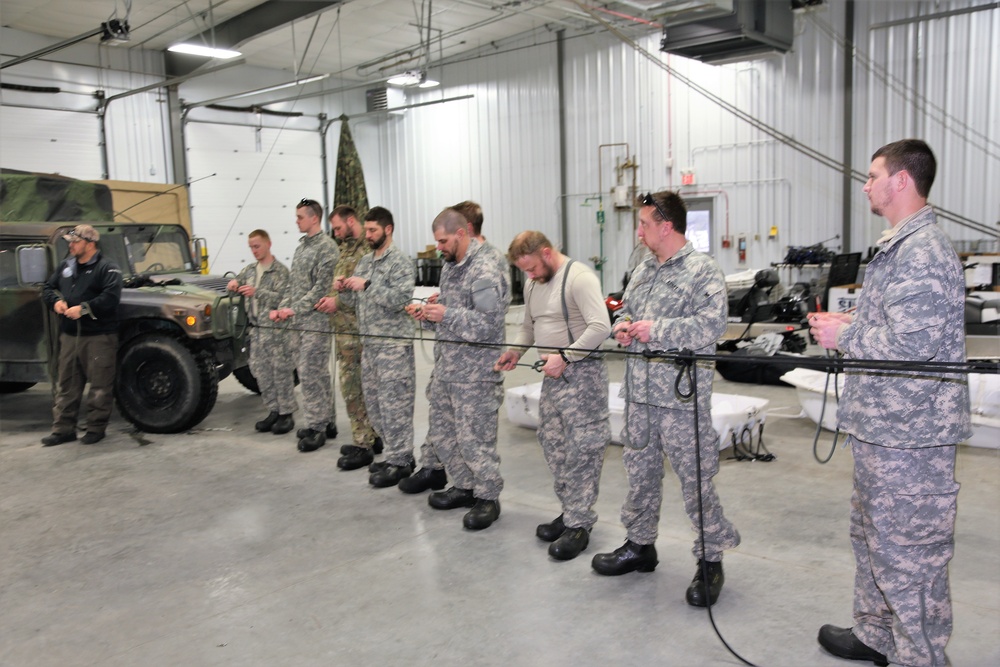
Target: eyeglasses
307 202
648 200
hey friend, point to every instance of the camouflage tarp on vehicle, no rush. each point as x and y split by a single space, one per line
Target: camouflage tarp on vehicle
27 197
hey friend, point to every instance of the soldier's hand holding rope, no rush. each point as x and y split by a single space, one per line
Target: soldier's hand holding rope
825 327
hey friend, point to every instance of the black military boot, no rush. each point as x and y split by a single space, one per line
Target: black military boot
354 458
451 499
331 431
376 447
423 479
629 557
843 643
312 440
265 424
390 475
696 591
482 515
283 425
570 544
550 532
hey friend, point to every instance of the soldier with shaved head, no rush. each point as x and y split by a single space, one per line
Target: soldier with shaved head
466 391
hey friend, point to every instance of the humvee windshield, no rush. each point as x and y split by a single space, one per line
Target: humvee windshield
149 249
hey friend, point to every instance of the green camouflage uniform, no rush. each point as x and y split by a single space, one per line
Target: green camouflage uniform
348 340
271 359
573 424
465 391
904 429
309 337
685 297
388 372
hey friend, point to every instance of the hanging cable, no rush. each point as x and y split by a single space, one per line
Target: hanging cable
688 362
834 373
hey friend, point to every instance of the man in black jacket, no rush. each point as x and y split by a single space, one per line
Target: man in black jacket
84 291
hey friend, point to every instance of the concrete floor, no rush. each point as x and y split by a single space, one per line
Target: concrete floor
222 546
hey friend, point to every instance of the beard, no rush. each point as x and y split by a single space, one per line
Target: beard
377 244
544 277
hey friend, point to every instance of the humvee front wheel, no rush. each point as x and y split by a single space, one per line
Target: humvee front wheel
162 386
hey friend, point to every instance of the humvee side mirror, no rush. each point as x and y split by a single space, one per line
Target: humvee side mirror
32 264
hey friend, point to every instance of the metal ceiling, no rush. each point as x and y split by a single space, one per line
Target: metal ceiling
357 40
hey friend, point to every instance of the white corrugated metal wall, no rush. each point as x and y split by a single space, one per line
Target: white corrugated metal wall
938 79
499 148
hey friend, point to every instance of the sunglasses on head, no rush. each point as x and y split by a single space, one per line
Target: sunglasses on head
307 202
648 200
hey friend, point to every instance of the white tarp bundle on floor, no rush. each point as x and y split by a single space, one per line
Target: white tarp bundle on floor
984 392
732 414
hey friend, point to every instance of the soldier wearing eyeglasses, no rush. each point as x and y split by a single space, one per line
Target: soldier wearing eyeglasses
676 299
309 329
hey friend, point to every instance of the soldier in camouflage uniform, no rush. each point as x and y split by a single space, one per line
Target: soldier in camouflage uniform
310 279
262 284
466 391
383 285
676 299
903 426
340 304
566 317
432 474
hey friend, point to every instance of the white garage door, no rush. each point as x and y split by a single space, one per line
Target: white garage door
259 178
48 141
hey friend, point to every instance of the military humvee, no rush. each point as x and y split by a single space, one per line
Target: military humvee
180 333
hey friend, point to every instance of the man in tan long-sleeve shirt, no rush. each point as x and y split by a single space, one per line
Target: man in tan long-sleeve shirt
566 317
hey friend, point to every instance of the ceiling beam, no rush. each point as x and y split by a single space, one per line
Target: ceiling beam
230 34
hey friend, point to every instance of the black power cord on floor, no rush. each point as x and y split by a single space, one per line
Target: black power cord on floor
688 362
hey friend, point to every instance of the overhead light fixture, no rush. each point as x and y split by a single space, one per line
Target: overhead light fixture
409 78
204 51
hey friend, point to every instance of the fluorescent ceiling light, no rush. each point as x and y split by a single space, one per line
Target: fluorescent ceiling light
205 51
410 78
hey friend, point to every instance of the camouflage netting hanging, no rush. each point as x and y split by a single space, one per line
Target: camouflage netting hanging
27 197
349 183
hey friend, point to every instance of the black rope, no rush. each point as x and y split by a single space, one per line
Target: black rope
686 359
817 363
819 423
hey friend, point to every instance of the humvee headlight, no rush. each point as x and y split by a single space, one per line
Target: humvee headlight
191 320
